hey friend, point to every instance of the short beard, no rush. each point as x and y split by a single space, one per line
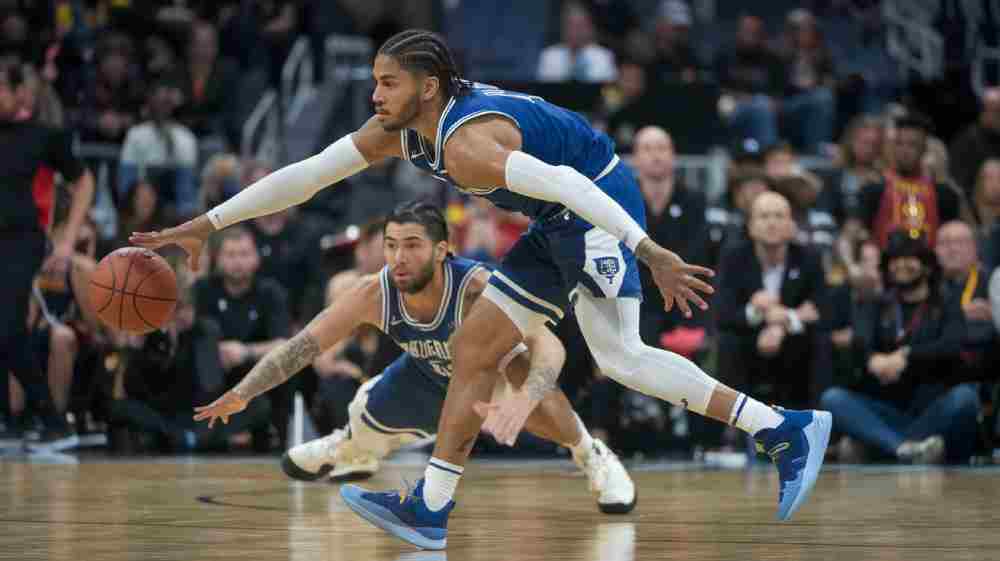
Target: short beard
420 281
409 113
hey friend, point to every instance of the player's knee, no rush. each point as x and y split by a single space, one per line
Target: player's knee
63 339
618 357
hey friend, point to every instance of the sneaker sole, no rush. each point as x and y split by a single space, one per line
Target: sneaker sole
386 520
350 474
818 437
619 508
292 470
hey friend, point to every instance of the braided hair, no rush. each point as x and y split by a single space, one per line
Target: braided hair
419 50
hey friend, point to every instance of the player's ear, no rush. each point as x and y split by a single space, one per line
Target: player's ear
440 250
431 86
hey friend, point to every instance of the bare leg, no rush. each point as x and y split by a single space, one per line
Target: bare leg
554 420
62 355
484 337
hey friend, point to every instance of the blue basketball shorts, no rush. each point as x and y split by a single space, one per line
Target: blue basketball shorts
561 253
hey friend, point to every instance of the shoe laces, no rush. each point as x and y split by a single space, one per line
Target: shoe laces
406 491
334 440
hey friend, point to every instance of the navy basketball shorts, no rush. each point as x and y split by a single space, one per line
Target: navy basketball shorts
561 253
406 400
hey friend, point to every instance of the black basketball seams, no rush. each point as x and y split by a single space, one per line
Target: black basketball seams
121 301
127 293
135 297
114 282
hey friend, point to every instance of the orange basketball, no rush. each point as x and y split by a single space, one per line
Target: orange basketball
134 290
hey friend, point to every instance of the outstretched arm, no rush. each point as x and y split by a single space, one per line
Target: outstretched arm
362 305
289 186
486 153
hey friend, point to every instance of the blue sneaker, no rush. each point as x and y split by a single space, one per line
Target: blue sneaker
402 514
797 446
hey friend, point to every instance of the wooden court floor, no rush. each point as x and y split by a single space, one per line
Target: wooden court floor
223 508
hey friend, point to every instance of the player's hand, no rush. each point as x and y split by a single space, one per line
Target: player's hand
222 408
505 417
678 281
190 236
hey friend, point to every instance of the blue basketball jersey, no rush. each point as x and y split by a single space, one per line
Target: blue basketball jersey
555 135
427 343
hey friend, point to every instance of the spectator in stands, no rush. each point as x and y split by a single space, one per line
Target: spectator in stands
906 406
578 57
846 296
209 85
807 109
675 218
38 99
752 79
977 143
727 222
65 328
964 279
906 198
162 152
283 243
25 249
142 208
858 163
617 22
110 103
220 179
674 56
816 226
252 313
987 211
160 61
770 292
623 108
159 376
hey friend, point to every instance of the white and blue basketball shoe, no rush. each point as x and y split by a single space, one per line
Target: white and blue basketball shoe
797 447
402 514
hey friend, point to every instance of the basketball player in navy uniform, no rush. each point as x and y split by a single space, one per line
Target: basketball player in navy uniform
527 155
419 299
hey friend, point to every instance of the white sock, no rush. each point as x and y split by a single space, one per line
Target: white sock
582 448
750 415
440 481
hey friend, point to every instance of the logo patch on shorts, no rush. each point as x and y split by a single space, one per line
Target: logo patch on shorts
607 267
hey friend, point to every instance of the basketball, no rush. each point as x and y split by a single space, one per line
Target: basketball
134 290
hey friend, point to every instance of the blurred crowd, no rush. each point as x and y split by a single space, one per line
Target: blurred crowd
855 243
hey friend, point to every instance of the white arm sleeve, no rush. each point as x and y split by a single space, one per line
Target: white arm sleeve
530 176
291 185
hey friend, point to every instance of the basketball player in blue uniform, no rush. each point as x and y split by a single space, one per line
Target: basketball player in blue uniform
419 299
530 156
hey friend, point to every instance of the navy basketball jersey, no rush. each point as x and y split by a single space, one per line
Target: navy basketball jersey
427 343
555 135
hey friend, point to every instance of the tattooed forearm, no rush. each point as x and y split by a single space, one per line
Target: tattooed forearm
540 382
277 366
